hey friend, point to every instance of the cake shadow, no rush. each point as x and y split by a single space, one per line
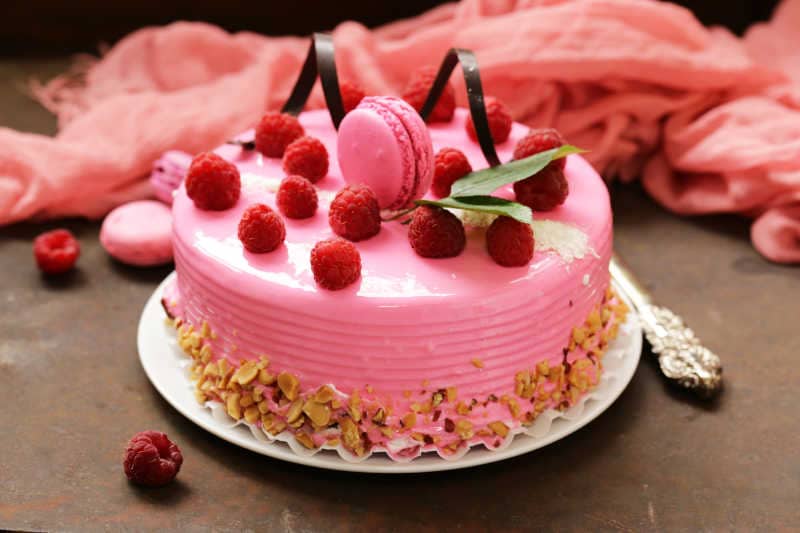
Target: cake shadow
382 492
167 496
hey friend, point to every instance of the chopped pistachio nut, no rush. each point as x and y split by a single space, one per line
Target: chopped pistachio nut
263 407
499 428
318 413
324 394
380 416
289 385
295 410
246 400
232 405
452 394
464 429
354 407
350 435
305 439
265 378
251 414
246 373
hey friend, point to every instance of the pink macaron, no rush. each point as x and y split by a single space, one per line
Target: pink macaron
384 144
168 173
139 233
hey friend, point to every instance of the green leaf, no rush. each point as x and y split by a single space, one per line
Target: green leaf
485 204
486 181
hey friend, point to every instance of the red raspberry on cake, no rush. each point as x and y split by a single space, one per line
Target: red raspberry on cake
500 121
56 251
417 91
544 191
213 183
275 131
540 140
352 94
296 197
151 459
510 242
335 263
450 166
306 157
261 229
354 213
436 233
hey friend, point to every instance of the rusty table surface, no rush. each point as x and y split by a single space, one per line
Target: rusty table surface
72 393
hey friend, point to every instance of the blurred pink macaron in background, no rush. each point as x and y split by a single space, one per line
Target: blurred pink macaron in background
384 144
139 233
168 173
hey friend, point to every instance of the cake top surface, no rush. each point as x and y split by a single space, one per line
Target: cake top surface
391 271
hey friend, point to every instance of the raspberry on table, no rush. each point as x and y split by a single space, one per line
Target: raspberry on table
435 232
296 197
335 263
500 121
275 131
151 459
261 229
545 190
510 242
354 213
307 157
56 251
213 183
416 92
450 166
540 140
352 94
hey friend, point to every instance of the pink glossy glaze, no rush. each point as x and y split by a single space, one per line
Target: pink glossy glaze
408 319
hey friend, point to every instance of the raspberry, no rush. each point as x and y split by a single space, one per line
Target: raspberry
544 191
499 121
451 165
351 95
56 251
435 232
151 459
538 141
416 92
274 133
354 213
213 183
261 229
510 242
297 197
307 157
335 263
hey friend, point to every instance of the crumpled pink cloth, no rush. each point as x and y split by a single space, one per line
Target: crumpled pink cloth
710 122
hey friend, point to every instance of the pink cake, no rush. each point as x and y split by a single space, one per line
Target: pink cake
417 355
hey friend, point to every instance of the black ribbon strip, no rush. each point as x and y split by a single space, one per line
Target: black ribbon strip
320 59
477 106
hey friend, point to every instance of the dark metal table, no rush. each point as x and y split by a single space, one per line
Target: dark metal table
72 392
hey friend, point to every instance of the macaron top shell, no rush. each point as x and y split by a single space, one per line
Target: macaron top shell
384 144
139 233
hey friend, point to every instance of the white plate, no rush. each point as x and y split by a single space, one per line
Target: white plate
165 366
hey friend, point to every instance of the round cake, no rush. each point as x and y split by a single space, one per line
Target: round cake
418 354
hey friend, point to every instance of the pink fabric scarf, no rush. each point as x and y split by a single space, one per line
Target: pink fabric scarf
710 123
